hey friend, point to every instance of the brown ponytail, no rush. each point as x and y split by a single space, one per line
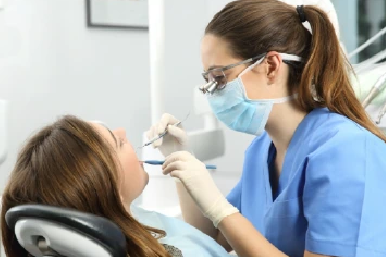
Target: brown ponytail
328 69
253 27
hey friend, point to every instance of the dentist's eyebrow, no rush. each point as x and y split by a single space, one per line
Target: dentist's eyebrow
212 67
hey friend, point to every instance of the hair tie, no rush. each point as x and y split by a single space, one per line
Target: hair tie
300 11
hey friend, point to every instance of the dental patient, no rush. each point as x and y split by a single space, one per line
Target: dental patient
85 166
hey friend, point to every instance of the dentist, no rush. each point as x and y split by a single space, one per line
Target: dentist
313 180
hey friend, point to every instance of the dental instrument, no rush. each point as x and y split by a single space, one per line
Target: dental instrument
164 133
154 162
207 142
377 88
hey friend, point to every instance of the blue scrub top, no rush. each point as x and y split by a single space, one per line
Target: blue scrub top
331 196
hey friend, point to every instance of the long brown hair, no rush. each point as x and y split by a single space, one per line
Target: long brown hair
253 27
68 164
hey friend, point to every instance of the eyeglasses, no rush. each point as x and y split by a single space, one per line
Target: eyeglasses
216 79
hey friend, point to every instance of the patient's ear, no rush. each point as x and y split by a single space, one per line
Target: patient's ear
122 200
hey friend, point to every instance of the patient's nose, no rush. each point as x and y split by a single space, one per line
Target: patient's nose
121 132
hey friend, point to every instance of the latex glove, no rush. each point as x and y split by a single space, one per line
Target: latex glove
200 185
175 140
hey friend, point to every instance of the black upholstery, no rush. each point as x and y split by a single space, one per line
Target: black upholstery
98 229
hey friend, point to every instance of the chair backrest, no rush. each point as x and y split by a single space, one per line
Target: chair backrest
51 231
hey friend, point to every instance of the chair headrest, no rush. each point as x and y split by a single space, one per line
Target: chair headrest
96 228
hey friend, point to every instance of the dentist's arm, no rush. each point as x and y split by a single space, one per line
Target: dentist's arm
193 215
177 140
238 231
245 239
249 242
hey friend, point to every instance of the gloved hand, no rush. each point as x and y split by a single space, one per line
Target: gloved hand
200 185
175 140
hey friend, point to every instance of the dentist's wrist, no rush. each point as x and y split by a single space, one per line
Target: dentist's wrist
220 210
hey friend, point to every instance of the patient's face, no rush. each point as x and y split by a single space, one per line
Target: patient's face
133 177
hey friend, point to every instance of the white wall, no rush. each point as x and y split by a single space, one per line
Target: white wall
51 64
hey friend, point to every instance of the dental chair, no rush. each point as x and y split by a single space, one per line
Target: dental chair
50 231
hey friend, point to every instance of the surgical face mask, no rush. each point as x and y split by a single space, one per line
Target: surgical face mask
232 106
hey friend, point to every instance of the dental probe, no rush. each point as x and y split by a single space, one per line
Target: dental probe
163 133
153 162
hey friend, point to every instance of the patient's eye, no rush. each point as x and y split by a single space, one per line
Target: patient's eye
122 142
